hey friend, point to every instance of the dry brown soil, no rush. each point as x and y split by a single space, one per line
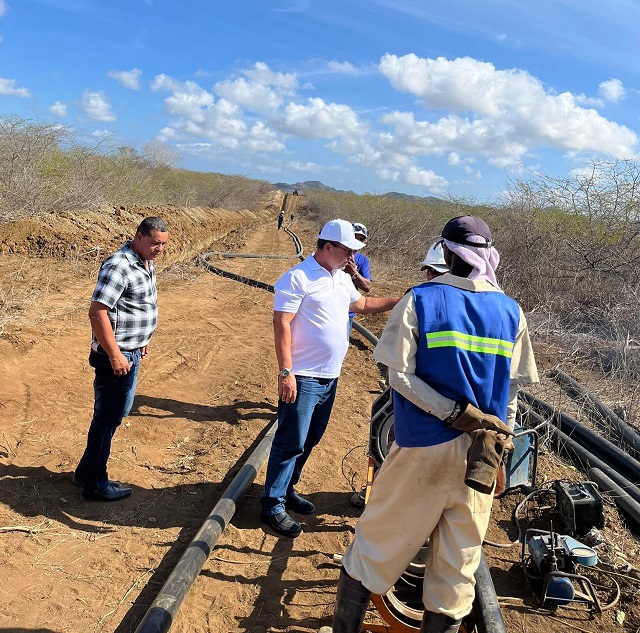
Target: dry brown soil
205 396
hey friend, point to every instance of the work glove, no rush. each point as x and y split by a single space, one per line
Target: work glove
472 419
484 458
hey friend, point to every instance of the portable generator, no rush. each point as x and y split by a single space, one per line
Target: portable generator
551 562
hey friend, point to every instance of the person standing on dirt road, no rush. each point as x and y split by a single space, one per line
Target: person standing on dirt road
358 268
311 309
280 219
457 348
123 315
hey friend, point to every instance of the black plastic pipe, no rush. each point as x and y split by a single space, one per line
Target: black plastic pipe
625 432
489 617
586 457
622 499
162 612
589 439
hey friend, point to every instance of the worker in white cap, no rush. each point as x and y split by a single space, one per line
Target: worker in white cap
434 263
311 307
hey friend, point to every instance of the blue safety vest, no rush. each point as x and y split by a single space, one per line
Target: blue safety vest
464 352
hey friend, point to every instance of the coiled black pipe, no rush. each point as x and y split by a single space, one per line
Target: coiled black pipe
621 498
626 433
164 608
589 439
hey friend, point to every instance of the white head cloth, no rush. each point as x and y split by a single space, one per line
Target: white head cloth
484 260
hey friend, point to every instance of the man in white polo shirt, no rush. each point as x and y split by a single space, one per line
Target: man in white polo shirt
311 310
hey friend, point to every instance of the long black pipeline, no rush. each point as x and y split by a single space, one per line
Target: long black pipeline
582 454
485 591
614 455
490 617
622 499
164 608
626 433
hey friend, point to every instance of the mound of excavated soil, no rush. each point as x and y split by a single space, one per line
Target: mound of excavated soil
96 233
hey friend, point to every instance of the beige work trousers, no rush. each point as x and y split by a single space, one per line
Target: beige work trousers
419 495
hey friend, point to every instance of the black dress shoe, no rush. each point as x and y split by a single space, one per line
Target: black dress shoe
107 493
79 482
282 524
295 503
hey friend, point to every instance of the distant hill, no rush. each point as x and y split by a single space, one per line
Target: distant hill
301 186
316 184
406 196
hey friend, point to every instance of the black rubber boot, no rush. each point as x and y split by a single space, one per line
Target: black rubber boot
352 600
439 623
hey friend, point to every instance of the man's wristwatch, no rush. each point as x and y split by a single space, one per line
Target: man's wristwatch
355 275
284 372
457 409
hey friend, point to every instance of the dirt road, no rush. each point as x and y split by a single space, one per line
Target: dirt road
205 395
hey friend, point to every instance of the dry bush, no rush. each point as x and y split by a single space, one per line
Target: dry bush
45 168
400 231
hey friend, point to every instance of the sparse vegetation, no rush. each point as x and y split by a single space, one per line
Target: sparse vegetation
45 168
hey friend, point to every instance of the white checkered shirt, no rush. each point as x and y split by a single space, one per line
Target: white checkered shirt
128 289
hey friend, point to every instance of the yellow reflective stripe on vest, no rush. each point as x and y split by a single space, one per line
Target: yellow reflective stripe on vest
470 343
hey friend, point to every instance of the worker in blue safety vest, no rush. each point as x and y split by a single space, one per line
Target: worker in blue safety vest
457 348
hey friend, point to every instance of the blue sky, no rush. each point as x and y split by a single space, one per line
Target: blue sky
424 97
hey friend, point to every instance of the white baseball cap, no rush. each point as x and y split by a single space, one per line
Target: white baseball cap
340 231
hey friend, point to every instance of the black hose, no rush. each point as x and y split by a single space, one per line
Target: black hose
489 618
620 496
591 440
164 608
625 432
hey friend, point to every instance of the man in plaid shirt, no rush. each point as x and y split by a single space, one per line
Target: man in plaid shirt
123 315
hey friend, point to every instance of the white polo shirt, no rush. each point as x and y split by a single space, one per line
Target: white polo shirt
320 300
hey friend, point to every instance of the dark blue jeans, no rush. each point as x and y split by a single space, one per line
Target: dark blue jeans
301 425
113 400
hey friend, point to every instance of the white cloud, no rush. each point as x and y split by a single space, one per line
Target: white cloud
127 78
306 167
260 89
58 109
343 68
317 119
197 114
496 113
262 139
3 7
96 106
415 176
8 88
425 178
249 94
612 90
100 133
